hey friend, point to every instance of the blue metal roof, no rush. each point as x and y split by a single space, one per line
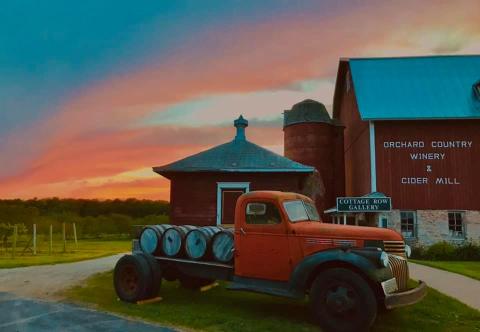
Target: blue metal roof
432 87
239 155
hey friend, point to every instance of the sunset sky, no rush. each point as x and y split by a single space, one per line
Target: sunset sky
95 93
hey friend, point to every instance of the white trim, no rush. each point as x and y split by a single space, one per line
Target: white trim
228 185
373 166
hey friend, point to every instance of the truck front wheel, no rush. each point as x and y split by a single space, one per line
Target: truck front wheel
341 300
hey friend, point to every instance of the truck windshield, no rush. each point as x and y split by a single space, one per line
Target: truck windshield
299 210
312 211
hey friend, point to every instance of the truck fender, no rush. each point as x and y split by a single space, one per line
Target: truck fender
359 259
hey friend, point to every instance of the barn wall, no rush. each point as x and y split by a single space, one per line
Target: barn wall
193 196
413 183
356 142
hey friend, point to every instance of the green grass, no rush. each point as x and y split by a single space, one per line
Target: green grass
87 249
467 268
222 310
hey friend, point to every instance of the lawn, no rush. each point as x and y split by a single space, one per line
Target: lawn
87 249
222 310
467 268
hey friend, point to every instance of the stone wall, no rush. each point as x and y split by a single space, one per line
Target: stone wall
473 225
432 227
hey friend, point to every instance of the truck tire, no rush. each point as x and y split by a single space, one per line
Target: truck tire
156 275
341 300
194 283
132 278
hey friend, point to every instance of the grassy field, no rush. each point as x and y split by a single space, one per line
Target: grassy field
87 249
222 310
467 268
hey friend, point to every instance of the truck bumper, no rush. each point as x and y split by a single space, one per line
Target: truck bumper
396 300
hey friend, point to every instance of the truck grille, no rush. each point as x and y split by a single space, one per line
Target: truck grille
399 268
394 247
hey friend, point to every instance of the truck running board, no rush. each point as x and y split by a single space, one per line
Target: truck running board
197 269
276 288
189 261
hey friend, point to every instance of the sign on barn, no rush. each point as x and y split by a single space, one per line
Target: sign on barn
364 204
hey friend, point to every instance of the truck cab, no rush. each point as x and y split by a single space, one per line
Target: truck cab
284 228
280 247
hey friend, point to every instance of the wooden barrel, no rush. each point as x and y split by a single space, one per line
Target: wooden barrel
197 241
223 245
173 240
151 238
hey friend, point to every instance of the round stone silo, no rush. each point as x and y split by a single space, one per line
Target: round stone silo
313 139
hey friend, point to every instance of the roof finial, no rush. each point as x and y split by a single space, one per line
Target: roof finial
240 124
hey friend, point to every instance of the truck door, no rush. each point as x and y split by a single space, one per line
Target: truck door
261 243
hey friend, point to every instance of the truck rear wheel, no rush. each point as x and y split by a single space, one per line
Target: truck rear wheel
156 276
341 300
194 283
132 278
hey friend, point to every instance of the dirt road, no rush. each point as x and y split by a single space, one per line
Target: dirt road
46 281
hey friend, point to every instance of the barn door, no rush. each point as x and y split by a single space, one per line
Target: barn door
227 195
229 199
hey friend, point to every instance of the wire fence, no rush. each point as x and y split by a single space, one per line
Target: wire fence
20 241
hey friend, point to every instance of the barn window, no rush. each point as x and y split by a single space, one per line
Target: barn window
476 89
455 224
408 224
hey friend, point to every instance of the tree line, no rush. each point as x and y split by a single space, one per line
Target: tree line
92 217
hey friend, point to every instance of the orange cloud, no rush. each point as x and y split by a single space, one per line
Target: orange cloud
154 188
108 154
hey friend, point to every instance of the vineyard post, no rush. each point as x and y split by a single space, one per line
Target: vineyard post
51 240
64 238
14 245
75 235
34 239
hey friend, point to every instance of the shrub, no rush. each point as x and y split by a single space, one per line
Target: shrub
443 251
468 252
419 252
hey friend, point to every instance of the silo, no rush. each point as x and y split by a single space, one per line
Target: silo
312 138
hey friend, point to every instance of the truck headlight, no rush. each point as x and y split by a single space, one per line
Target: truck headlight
384 259
408 251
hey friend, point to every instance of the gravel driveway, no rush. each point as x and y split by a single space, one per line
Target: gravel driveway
45 281
464 289
28 300
25 315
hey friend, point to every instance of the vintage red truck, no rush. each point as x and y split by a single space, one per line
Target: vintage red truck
282 248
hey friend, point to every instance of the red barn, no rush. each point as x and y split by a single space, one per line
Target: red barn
412 132
205 186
